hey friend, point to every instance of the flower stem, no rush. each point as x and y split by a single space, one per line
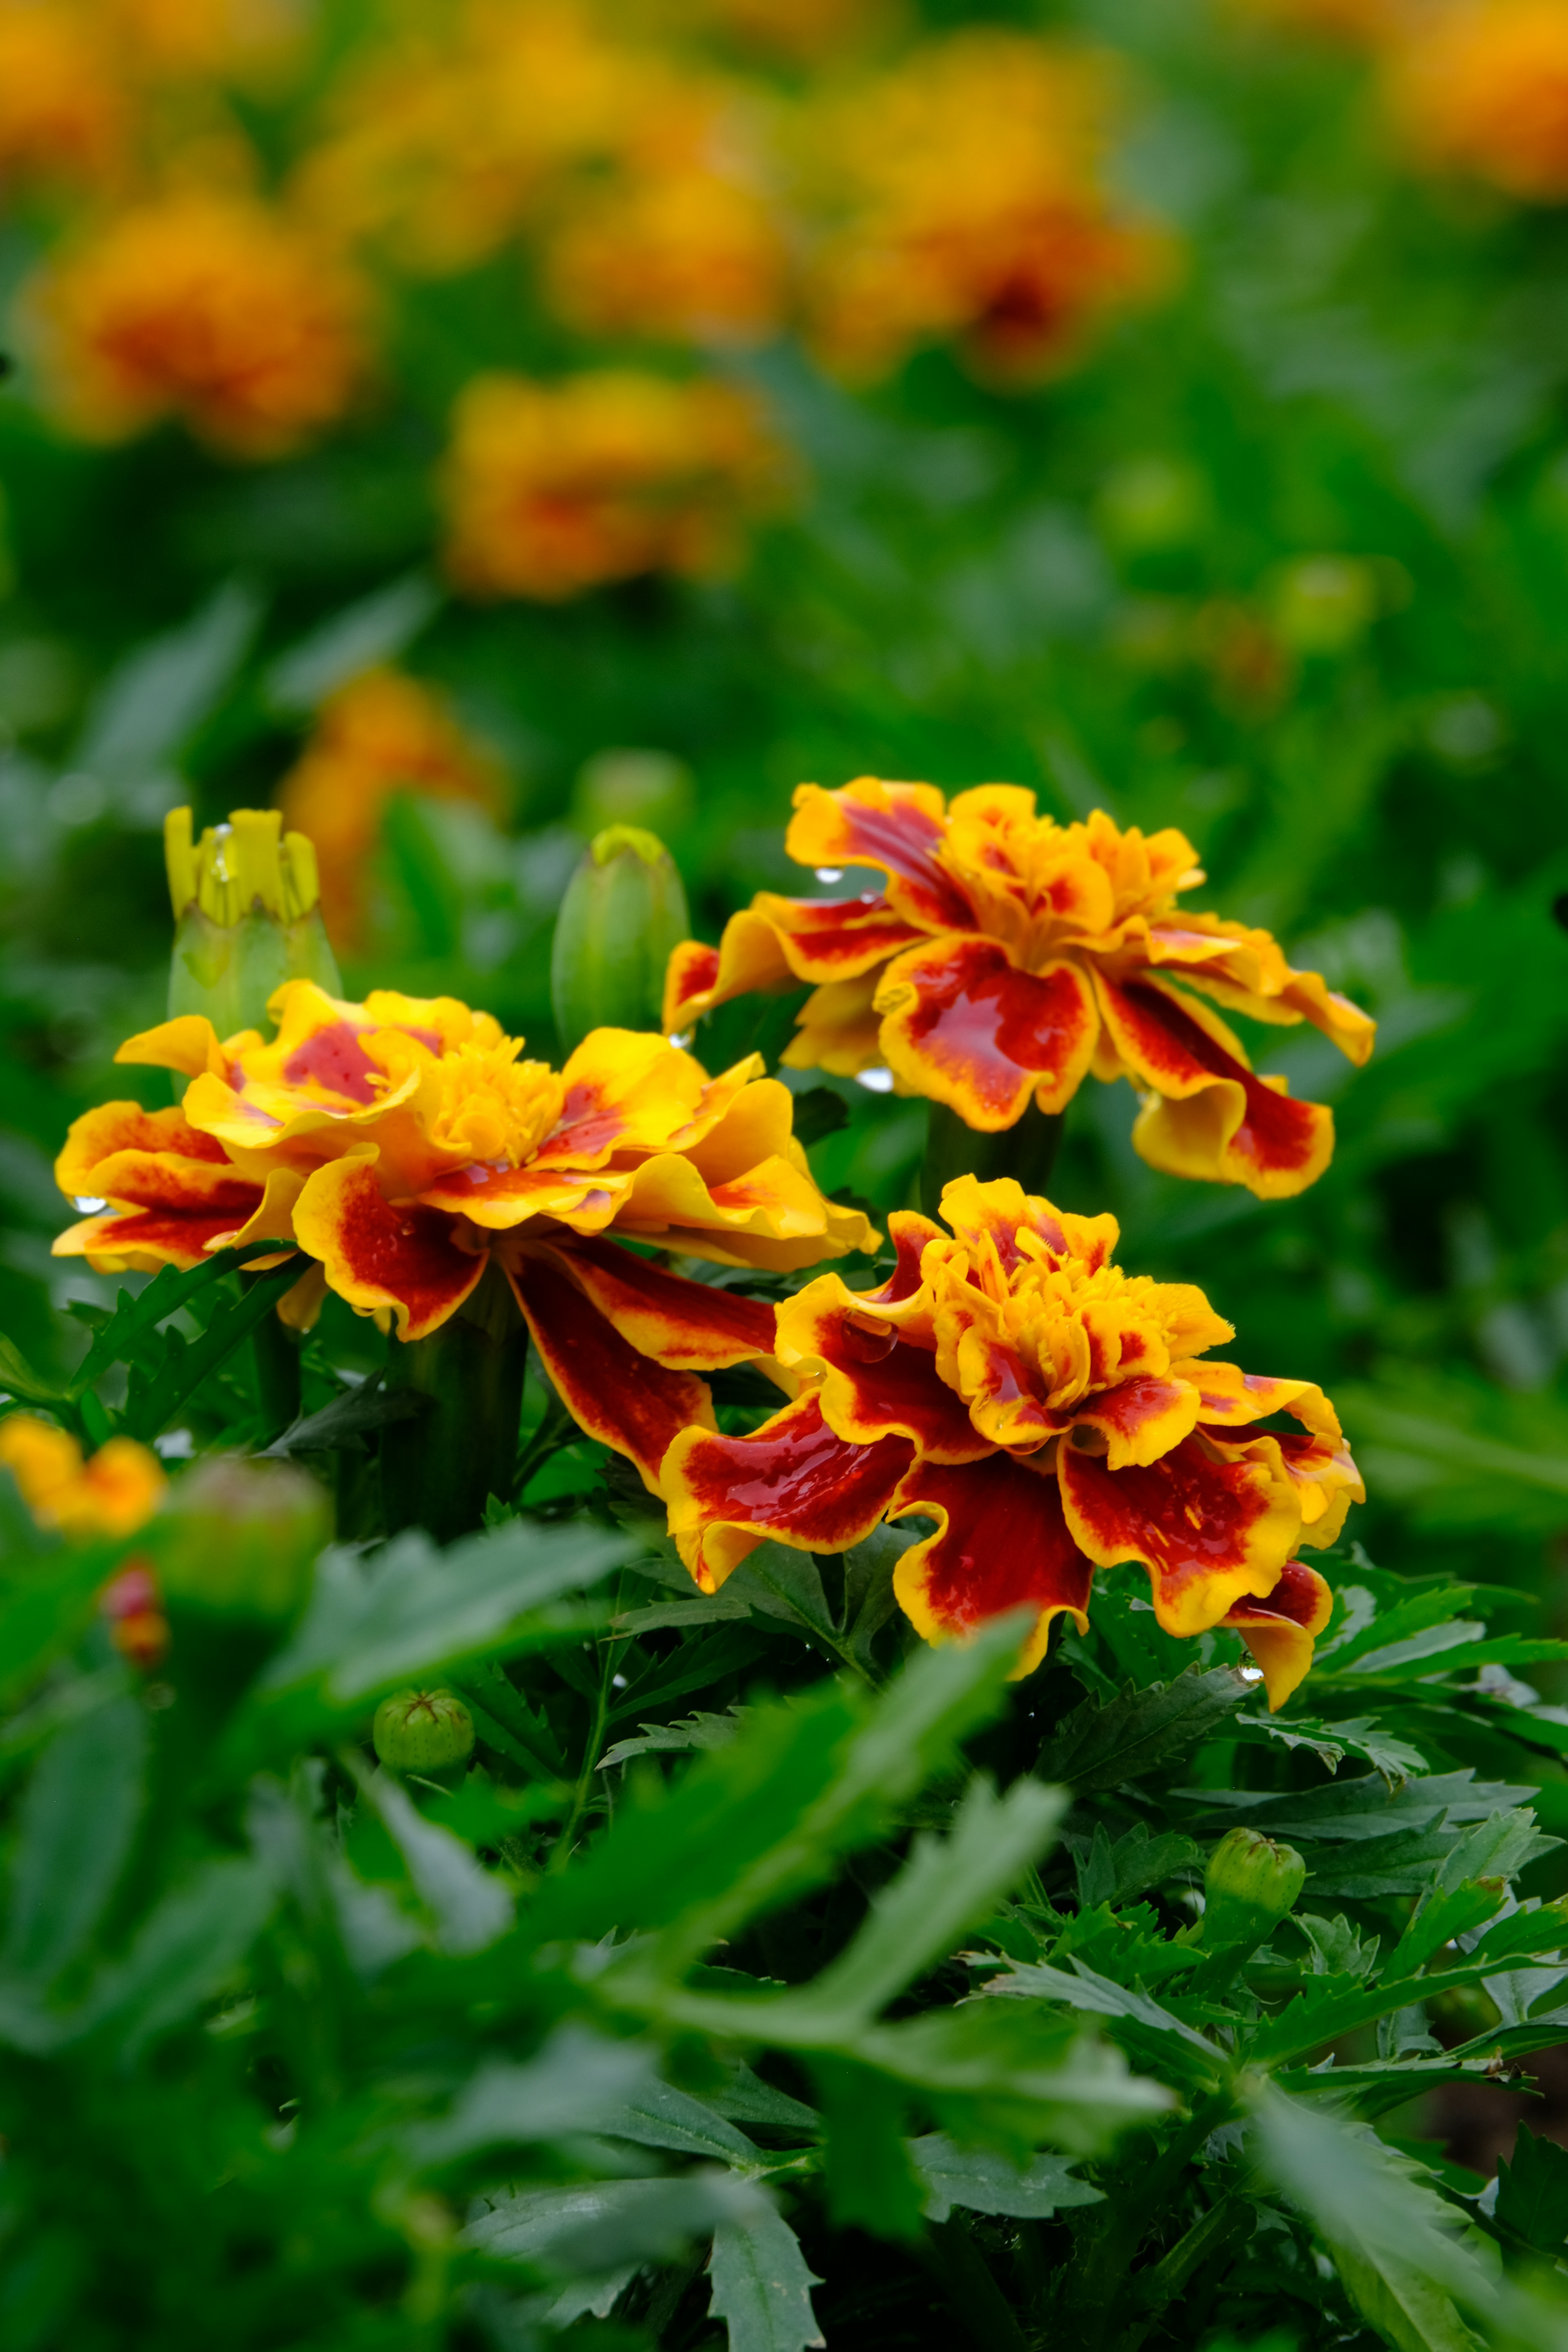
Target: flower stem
436 1472
1027 1150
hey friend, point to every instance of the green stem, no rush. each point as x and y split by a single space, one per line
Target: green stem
977 2301
610 1657
276 1351
1027 1150
437 1471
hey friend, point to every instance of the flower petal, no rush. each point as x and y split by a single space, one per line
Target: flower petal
898 827
1141 1418
689 1326
1215 1118
142 1240
838 1028
964 1025
189 1045
382 1254
1001 1542
771 1217
874 1385
612 1390
623 1091
1280 1630
149 1158
792 1480
501 1199
1245 971
1209 1522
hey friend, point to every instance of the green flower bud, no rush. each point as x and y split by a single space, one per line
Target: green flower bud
648 788
428 1732
248 915
1250 1883
1323 603
623 911
1148 505
239 1540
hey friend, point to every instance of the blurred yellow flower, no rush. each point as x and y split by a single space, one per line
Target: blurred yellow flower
380 734
112 1492
194 38
963 203
796 31
63 115
1482 88
552 488
206 308
1359 24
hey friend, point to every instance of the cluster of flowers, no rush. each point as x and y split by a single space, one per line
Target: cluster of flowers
1475 90
1046 1413
660 186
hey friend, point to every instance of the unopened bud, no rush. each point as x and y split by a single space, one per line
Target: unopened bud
1251 1883
623 911
248 915
428 1732
240 1538
1323 603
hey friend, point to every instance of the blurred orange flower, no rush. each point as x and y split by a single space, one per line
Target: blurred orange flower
964 189
380 734
1482 88
552 488
199 37
207 307
63 116
112 1492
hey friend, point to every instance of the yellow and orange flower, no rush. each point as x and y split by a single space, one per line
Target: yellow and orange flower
63 113
112 1492
404 1144
1480 88
554 489
1052 1415
380 734
962 188
1009 957
207 307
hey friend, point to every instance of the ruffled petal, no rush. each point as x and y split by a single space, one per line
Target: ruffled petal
1001 1542
874 1385
142 1240
1320 1463
623 1091
898 827
792 1480
612 1392
1209 1522
149 1158
1245 970
775 943
189 1045
965 1026
689 1326
988 1219
501 1199
1213 1117
838 1028
773 1216
1280 1630
1141 1419
380 1254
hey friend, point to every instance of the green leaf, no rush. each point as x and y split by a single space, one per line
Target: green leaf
697 1731
1103 1744
135 1319
1001 2063
182 1951
598 2226
871 2180
987 2182
655 2116
1445 1913
762 2287
578 2081
470 1906
47 1594
374 629
78 1819
153 1398
1396 1760
17 1378
747 2099
1532 2192
163 690
348 1418
503 1718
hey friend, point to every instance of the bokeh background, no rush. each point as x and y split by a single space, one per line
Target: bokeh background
470 424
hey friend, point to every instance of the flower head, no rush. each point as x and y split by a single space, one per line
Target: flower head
962 189
405 1143
206 308
1052 1415
1482 88
1008 956
112 1492
380 734
554 489
63 113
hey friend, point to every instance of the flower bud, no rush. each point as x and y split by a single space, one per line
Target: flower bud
427 1732
1323 603
1250 1883
623 911
239 1540
248 915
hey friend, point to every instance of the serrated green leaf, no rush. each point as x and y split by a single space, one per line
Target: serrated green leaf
761 2285
136 1320
871 2180
987 2183
1103 1744
78 1819
598 2226
696 1731
1396 1760
655 2116
470 1906
578 2083
153 1396
18 1378
182 1952
1532 2192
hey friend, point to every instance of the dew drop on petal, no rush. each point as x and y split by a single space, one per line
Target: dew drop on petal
830 873
879 1081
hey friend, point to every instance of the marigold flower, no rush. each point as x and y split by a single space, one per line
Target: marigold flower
965 187
1482 88
1009 957
1052 1415
63 115
207 307
681 249
381 734
554 489
403 1143
112 1492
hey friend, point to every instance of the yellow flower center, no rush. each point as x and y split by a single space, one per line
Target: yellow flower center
1041 886
492 1107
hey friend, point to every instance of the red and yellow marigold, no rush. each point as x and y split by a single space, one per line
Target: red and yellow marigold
380 734
1052 1415
206 308
88 1499
1480 88
1009 957
552 488
962 202
404 1144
